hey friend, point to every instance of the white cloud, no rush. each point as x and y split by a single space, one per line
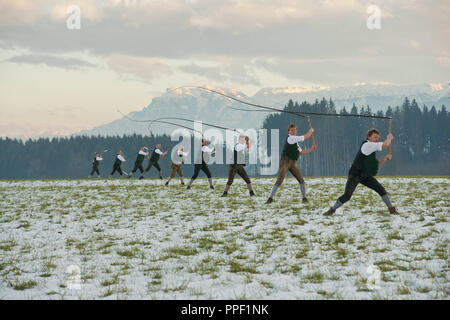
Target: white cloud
19 12
90 9
142 68
51 61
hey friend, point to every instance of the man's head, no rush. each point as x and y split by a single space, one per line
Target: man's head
158 146
96 154
292 129
120 152
205 142
142 148
181 148
373 135
242 139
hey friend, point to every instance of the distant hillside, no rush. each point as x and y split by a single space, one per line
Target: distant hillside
198 104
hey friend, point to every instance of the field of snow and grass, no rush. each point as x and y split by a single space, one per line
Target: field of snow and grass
131 239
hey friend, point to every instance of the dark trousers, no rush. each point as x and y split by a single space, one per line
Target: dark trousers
239 169
118 169
138 165
355 177
155 164
95 169
203 167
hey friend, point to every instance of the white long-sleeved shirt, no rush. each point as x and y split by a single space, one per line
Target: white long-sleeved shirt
99 158
181 156
370 147
207 149
240 146
296 139
143 153
121 158
158 151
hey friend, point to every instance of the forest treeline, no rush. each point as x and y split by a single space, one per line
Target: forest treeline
421 145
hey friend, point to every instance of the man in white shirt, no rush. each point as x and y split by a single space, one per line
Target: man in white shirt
205 152
154 158
238 164
141 156
288 162
364 168
95 164
176 165
117 164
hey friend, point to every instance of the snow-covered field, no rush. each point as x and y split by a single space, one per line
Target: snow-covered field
132 239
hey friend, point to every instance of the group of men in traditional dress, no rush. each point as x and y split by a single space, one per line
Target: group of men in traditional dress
364 168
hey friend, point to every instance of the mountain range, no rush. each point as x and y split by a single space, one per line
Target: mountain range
198 104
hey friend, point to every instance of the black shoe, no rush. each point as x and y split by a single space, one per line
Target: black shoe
211 187
161 177
270 200
188 187
330 212
252 193
393 210
305 200
141 177
182 183
167 183
224 194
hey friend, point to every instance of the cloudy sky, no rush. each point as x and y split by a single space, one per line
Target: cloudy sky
60 80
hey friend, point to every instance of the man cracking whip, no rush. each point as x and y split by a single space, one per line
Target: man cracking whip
205 153
117 164
176 165
238 164
154 158
95 163
142 154
364 168
289 156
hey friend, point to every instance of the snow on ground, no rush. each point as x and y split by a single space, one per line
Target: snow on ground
132 239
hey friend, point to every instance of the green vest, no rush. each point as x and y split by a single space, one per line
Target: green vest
370 164
290 150
367 164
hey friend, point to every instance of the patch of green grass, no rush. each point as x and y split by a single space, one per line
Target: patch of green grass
340 238
341 252
181 287
423 289
230 247
302 252
266 284
384 265
207 242
110 282
236 267
441 218
402 290
325 294
181 251
107 293
300 222
315 277
128 253
394 236
441 250
23 285
8 245
24 224
215 227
